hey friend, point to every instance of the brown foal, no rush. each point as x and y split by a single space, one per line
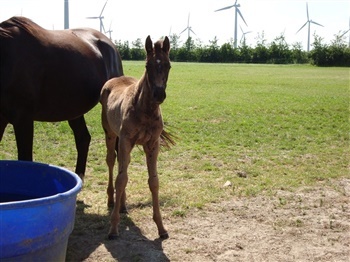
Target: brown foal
131 116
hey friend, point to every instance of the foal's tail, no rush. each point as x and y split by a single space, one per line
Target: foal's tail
167 139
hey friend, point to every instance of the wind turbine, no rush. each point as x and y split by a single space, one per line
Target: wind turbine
66 14
237 11
243 34
346 32
309 22
188 28
109 31
100 17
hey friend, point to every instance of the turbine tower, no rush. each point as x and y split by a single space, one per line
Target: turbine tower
347 32
237 11
188 28
309 22
66 14
100 17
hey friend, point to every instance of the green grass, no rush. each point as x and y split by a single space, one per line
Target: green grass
281 126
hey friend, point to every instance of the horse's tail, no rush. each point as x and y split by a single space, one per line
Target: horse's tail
167 139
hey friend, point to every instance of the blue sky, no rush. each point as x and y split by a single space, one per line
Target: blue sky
134 19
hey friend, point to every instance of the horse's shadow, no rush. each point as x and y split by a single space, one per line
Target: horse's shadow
90 236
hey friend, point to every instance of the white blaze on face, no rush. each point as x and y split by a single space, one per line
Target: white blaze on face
158 61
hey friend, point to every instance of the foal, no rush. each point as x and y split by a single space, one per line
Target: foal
131 115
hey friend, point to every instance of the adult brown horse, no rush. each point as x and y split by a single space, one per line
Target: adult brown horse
51 76
131 115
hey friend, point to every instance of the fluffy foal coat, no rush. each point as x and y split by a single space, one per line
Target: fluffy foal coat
131 115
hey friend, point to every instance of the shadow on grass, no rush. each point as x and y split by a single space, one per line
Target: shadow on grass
90 237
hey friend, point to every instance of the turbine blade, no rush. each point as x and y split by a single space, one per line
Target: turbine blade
103 27
316 23
188 20
240 14
227 7
307 11
103 8
183 30
92 17
192 31
302 27
345 33
241 29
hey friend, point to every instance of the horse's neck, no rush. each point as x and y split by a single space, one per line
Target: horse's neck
144 99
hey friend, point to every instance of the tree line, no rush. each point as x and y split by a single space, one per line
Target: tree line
337 53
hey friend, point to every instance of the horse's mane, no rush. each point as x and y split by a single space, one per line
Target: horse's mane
21 22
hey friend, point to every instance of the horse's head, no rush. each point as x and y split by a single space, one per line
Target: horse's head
157 67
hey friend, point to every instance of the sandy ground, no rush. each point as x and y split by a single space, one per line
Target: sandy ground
310 224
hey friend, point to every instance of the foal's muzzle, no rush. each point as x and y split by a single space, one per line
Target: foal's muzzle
159 94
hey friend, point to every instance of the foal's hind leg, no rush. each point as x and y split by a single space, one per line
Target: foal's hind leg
111 139
152 149
82 142
124 149
122 208
112 149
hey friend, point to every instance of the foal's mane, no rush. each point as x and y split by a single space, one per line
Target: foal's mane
158 45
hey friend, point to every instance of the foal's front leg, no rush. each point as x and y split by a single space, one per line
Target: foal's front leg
124 150
152 149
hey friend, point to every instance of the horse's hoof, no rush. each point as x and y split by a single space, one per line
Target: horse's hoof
113 236
164 235
81 176
123 210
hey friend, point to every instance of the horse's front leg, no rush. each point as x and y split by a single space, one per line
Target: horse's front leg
3 124
124 149
24 131
82 141
152 149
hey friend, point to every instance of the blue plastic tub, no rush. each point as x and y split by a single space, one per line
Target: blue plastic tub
37 210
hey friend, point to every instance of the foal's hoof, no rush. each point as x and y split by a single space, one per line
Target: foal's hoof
113 236
164 235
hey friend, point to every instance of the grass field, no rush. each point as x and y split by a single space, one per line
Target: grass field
261 127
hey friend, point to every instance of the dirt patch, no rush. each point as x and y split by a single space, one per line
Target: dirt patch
310 224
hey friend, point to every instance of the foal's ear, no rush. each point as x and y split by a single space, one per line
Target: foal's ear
166 45
149 45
